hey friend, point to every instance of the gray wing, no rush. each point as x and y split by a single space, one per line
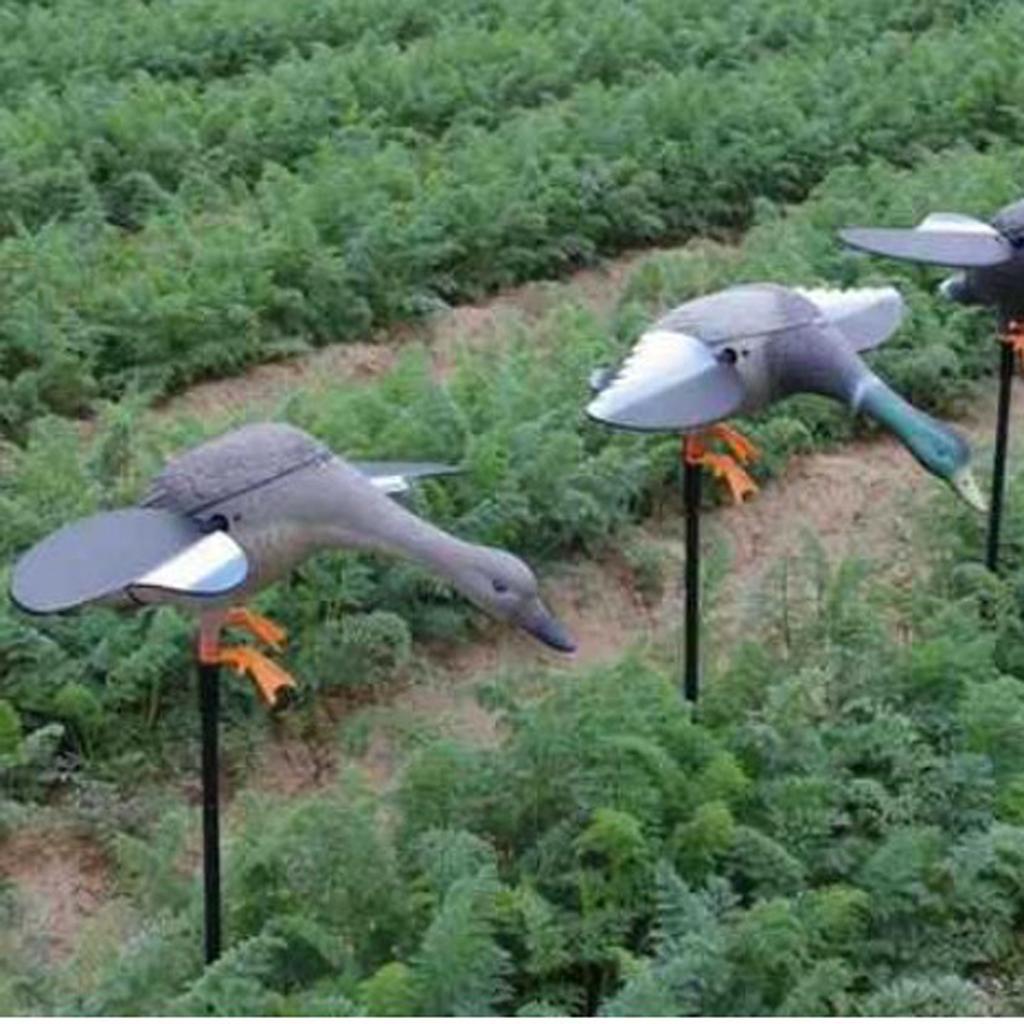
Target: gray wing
743 311
232 464
944 239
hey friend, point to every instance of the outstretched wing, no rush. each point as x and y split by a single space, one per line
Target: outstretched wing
398 477
865 316
670 381
105 556
945 239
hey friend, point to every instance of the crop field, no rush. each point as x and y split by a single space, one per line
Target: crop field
190 190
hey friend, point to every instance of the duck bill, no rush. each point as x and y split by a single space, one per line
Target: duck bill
540 623
966 486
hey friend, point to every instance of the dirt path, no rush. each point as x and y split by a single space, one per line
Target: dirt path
855 500
265 386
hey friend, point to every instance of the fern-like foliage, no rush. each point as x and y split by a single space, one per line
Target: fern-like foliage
459 969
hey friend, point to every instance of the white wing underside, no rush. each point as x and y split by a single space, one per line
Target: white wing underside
669 381
390 484
865 316
212 566
957 222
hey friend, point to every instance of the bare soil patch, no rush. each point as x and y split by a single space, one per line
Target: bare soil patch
62 878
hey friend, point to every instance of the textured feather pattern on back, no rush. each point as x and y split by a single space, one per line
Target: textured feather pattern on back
238 461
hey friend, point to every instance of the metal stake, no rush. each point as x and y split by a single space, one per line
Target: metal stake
691 508
995 517
209 684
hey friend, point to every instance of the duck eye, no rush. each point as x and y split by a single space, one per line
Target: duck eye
499 586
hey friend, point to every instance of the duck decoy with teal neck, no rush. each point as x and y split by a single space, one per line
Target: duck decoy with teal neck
991 262
740 349
226 519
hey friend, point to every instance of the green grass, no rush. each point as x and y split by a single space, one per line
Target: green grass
100 143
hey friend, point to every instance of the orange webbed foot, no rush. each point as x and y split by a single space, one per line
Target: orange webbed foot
743 449
257 625
725 467
273 684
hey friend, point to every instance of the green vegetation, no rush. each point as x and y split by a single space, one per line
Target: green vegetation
175 230
840 833
190 188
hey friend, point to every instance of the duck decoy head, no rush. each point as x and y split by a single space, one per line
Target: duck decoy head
938 447
946 454
505 587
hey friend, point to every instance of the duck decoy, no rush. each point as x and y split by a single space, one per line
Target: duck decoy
991 262
743 348
228 518
231 516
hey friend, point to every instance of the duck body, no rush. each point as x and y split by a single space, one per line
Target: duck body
1000 285
741 349
283 496
777 341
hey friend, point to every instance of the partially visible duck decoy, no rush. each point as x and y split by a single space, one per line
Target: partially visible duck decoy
992 260
743 348
991 255
229 517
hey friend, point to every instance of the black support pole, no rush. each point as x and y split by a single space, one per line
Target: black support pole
691 649
995 516
209 684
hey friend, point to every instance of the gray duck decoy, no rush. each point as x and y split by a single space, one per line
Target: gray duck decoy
740 349
991 257
230 516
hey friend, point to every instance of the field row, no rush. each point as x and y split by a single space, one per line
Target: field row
360 238
66 43
120 147
53 44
